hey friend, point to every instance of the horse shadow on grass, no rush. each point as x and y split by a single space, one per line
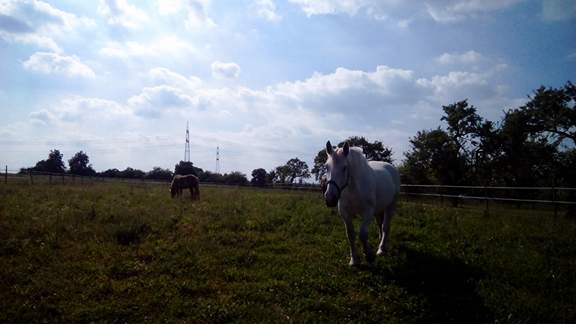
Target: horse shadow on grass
448 286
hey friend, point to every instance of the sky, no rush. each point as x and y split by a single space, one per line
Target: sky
264 80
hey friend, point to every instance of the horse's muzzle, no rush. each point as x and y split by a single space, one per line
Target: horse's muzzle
331 202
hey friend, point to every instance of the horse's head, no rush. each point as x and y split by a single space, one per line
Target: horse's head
337 175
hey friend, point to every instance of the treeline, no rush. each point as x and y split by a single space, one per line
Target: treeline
79 164
532 145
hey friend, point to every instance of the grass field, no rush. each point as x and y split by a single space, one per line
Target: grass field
122 253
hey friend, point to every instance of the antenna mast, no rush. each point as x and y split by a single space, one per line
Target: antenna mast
187 145
217 160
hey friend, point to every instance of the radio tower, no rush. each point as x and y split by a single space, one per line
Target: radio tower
187 145
217 160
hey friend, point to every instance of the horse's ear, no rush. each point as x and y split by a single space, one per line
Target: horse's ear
346 149
329 148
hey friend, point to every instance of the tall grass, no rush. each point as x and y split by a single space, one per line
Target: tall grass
120 253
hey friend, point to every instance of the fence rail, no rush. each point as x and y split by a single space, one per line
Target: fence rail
555 196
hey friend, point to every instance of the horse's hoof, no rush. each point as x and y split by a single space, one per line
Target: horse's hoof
381 252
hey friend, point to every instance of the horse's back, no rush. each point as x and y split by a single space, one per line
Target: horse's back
387 182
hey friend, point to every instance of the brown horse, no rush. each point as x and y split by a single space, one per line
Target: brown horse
180 182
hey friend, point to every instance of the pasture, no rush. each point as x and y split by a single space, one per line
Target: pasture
129 253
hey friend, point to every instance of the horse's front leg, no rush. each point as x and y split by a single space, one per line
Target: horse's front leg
367 215
351 235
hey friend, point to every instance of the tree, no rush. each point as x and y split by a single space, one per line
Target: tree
235 178
526 158
207 176
79 164
184 167
259 177
131 173
375 151
157 173
551 113
281 174
54 163
297 169
433 159
463 124
110 173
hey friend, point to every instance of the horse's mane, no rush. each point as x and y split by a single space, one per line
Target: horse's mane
356 158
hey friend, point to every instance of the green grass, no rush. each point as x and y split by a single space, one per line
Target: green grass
121 253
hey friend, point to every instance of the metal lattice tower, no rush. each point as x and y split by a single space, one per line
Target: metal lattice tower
217 171
187 145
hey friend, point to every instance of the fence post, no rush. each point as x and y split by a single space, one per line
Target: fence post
62 178
30 175
50 179
486 210
554 201
6 175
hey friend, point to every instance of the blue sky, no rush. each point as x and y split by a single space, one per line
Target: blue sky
265 80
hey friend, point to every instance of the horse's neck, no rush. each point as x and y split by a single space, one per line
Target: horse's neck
359 168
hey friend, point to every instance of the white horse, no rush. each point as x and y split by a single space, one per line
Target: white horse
359 186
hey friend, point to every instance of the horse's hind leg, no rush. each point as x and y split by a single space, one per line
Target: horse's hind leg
385 229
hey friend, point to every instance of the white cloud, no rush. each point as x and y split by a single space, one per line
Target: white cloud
283 120
54 63
558 10
469 57
166 46
224 70
164 76
446 11
169 7
121 13
440 10
324 7
195 12
75 109
267 9
35 39
38 23
154 99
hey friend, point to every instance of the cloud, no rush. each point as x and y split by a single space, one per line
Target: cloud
121 13
164 76
54 63
195 12
558 10
447 11
75 109
153 101
267 9
162 47
222 70
443 11
469 57
283 120
37 23
325 7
